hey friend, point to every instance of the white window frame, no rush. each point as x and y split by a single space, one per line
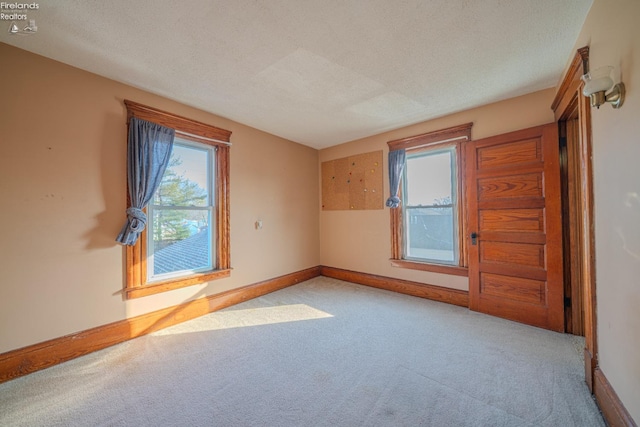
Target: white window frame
452 151
210 208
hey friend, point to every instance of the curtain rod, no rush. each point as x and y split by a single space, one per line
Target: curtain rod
179 132
465 137
438 142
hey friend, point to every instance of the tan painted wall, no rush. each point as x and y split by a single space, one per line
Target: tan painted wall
62 192
62 195
361 241
612 32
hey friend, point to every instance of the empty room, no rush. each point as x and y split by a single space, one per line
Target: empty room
306 213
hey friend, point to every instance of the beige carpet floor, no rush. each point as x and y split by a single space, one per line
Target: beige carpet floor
321 353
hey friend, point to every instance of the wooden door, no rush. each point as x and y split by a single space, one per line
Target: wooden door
515 226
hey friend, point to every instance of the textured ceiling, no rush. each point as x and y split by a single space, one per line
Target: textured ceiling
318 72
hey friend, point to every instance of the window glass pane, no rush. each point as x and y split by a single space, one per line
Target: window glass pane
429 179
430 234
181 240
430 212
186 180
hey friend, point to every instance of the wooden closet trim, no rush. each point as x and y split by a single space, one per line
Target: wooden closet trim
569 101
570 84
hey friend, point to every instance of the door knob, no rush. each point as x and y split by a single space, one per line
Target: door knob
474 238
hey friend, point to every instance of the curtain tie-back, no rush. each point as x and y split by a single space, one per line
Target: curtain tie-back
393 202
397 159
137 219
148 154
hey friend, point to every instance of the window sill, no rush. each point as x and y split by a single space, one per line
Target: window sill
434 268
177 283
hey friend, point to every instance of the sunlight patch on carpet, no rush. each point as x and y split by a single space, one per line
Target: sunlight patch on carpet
229 319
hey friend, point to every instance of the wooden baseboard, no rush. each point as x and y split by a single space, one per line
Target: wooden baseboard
612 408
23 361
589 368
436 293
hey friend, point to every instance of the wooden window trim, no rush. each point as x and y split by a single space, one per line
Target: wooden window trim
453 270
456 135
176 122
136 284
460 132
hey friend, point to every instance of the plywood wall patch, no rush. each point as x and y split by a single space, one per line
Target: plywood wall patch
353 183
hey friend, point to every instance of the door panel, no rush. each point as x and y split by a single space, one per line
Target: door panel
521 152
513 195
521 254
514 288
510 186
523 220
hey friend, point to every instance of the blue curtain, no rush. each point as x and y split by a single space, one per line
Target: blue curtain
148 152
396 166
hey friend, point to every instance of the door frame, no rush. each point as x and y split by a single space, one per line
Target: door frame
567 102
572 217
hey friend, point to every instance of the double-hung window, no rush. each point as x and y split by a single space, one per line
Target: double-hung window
186 239
181 231
428 225
430 208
